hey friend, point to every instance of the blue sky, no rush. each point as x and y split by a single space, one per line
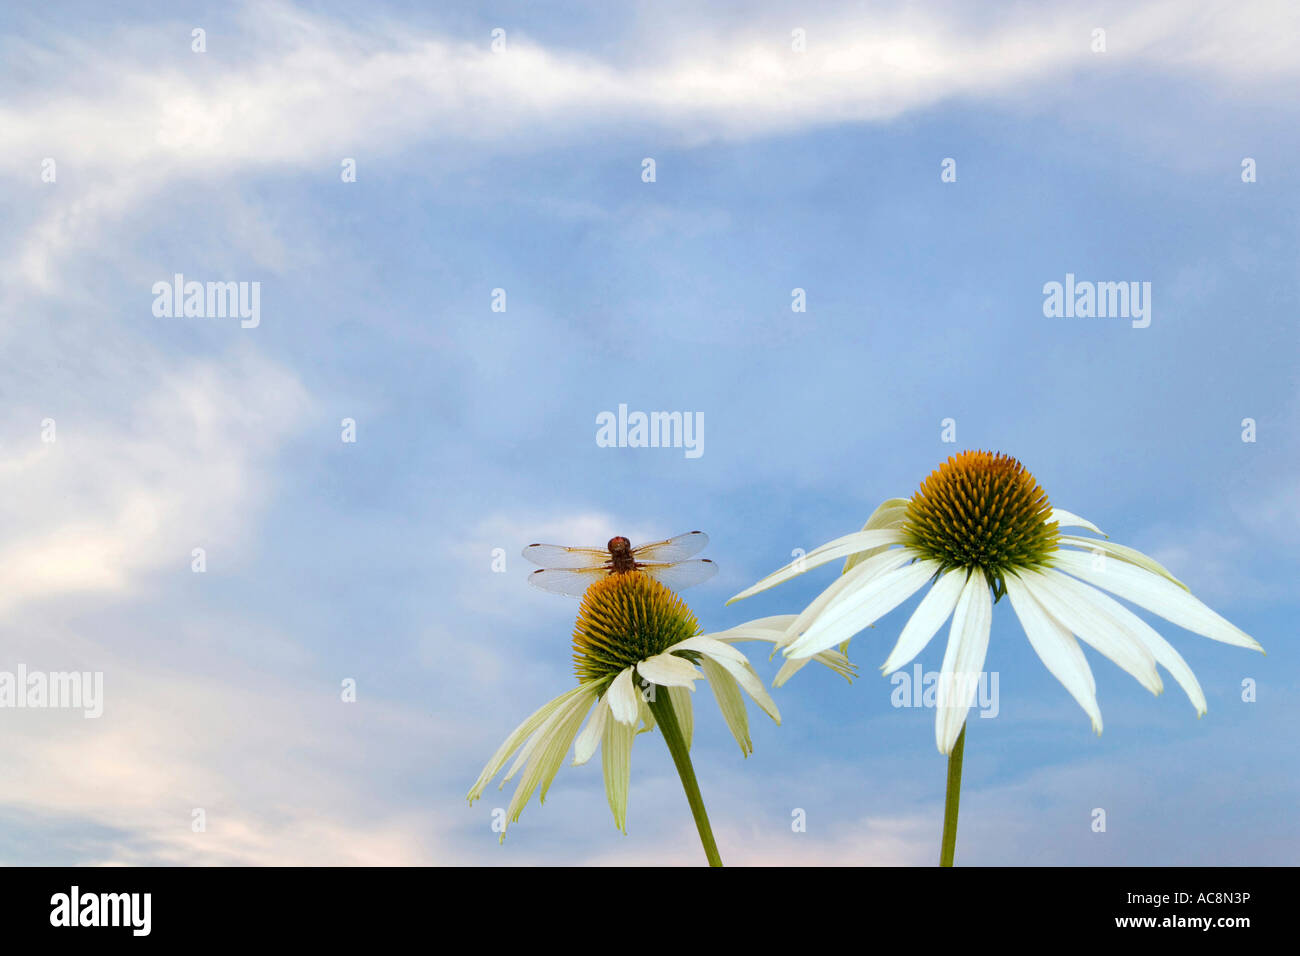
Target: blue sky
521 170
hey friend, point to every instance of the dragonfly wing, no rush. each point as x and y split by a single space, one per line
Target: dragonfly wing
571 581
674 549
682 575
558 556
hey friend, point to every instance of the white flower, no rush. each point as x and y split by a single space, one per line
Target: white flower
979 524
634 638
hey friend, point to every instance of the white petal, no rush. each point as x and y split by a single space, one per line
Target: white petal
854 611
838 548
1156 595
926 620
517 737
771 630
553 738
963 660
749 680
589 739
623 698
538 739
833 660
1123 553
761 629
549 761
616 760
732 705
680 698
707 644
1067 520
1062 597
1140 630
668 670
849 583
791 667
838 662
1056 648
889 515
644 715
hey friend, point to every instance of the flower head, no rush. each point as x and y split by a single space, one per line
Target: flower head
625 619
634 639
981 511
979 527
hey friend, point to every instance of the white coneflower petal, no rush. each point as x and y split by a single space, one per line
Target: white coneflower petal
791 667
1063 598
644 715
538 740
769 630
709 644
963 660
830 551
552 743
551 758
591 735
772 630
1131 555
835 660
668 670
890 514
926 620
517 738
1065 519
854 611
850 582
623 698
747 678
1056 648
1160 649
760 629
1156 595
616 761
683 708
730 702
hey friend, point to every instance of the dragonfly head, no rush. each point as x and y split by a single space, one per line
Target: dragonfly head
619 545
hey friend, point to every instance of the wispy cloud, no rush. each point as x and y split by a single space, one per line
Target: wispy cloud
110 497
299 90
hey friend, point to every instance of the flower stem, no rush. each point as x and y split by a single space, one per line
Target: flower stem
662 708
949 847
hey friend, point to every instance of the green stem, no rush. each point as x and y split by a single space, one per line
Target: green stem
662 708
949 847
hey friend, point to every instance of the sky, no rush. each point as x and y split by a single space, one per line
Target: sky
921 171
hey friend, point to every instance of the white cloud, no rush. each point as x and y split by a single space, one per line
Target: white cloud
326 89
301 91
125 491
284 771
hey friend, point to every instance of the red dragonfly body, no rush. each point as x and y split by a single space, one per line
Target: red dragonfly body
573 570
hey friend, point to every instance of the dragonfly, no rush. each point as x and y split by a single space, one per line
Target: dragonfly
573 570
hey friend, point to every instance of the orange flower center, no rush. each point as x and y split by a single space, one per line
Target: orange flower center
625 618
982 510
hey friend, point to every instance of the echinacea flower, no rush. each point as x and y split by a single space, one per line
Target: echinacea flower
638 651
979 527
